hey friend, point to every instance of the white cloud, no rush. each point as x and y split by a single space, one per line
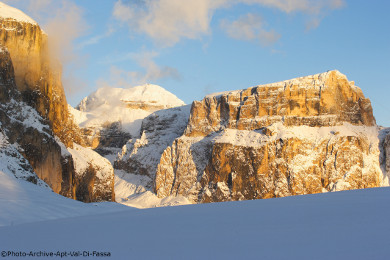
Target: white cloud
250 28
169 21
150 72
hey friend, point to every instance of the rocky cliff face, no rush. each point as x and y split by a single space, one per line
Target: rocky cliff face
37 76
94 175
385 150
12 161
301 136
33 109
325 99
25 127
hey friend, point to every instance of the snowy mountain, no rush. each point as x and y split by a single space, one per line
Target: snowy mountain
314 134
109 117
127 106
137 163
115 121
306 135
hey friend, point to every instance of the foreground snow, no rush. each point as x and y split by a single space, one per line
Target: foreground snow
341 225
24 202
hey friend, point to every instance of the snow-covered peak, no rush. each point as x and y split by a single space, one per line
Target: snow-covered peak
126 106
146 94
9 12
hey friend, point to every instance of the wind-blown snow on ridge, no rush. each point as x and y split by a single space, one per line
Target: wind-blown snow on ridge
9 12
147 93
127 106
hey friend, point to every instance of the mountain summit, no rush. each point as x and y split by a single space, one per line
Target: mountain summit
11 13
109 117
146 97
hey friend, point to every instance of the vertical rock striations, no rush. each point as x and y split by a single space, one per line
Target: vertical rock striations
37 75
325 99
34 112
301 136
141 156
25 127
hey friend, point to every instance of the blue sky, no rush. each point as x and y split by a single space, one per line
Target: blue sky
197 47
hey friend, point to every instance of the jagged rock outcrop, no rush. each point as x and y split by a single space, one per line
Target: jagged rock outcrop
301 136
141 156
94 175
11 160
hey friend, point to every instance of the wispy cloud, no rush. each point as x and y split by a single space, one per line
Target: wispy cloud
250 28
169 21
95 39
149 73
306 6
64 26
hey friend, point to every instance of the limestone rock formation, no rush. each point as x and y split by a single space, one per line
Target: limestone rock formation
25 127
302 136
33 109
37 75
325 99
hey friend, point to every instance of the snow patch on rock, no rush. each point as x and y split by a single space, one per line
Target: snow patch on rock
84 157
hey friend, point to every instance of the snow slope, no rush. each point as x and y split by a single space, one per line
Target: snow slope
24 202
340 225
134 191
